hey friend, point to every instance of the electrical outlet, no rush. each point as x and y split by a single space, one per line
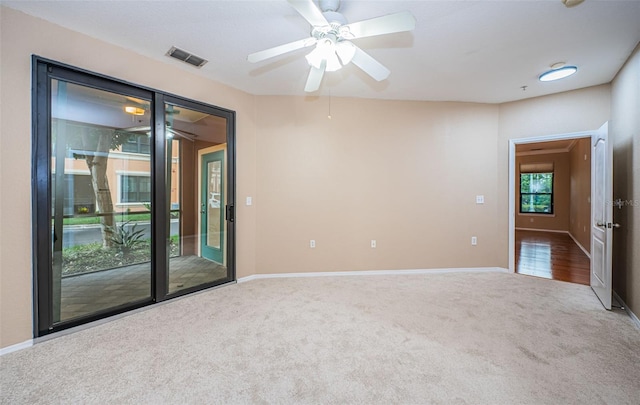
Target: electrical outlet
474 240
312 243
479 199
373 243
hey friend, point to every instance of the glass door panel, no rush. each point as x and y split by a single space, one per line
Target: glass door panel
196 150
212 219
100 200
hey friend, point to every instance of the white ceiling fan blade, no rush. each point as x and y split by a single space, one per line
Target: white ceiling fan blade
315 77
136 129
310 12
387 24
280 50
369 65
171 131
180 134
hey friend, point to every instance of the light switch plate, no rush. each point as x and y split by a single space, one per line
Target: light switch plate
479 199
249 200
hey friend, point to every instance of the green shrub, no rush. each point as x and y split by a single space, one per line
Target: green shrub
125 239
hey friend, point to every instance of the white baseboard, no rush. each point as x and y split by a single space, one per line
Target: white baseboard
580 246
633 316
540 230
374 273
16 347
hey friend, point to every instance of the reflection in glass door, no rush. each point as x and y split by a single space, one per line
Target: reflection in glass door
212 207
100 200
198 198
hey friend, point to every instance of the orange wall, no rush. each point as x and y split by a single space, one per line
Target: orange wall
580 201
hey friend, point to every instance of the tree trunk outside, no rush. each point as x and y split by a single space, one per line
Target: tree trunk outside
100 183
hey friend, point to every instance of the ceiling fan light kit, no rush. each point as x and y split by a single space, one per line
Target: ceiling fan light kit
331 35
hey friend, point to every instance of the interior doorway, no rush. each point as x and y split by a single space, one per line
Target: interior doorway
550 207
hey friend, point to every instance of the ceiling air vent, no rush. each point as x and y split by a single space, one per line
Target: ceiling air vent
186 57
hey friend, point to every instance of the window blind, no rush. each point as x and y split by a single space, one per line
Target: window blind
536 167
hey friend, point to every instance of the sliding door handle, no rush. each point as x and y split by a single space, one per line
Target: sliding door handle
230 214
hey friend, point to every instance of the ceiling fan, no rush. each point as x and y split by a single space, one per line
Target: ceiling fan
170 132
331 36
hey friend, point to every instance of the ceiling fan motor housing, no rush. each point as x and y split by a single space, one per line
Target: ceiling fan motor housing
329 5
333 17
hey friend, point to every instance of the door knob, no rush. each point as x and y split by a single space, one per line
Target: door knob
608 225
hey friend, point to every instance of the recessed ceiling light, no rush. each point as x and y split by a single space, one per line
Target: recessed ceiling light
557 73
134 110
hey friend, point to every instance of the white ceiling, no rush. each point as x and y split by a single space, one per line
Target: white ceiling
477 51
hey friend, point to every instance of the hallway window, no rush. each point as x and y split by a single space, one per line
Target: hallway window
536 193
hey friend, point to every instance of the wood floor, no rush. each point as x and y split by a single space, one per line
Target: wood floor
551 255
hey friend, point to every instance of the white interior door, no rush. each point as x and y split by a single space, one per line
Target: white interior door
601 214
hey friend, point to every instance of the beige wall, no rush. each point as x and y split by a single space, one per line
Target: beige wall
22 36
580 201
559 220
580 110
625 131
403 173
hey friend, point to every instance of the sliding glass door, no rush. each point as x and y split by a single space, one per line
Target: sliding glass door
101 194
198 198
118 196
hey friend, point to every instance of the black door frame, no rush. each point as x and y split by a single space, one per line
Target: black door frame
43 71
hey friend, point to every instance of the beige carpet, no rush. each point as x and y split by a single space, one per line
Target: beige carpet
489 338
